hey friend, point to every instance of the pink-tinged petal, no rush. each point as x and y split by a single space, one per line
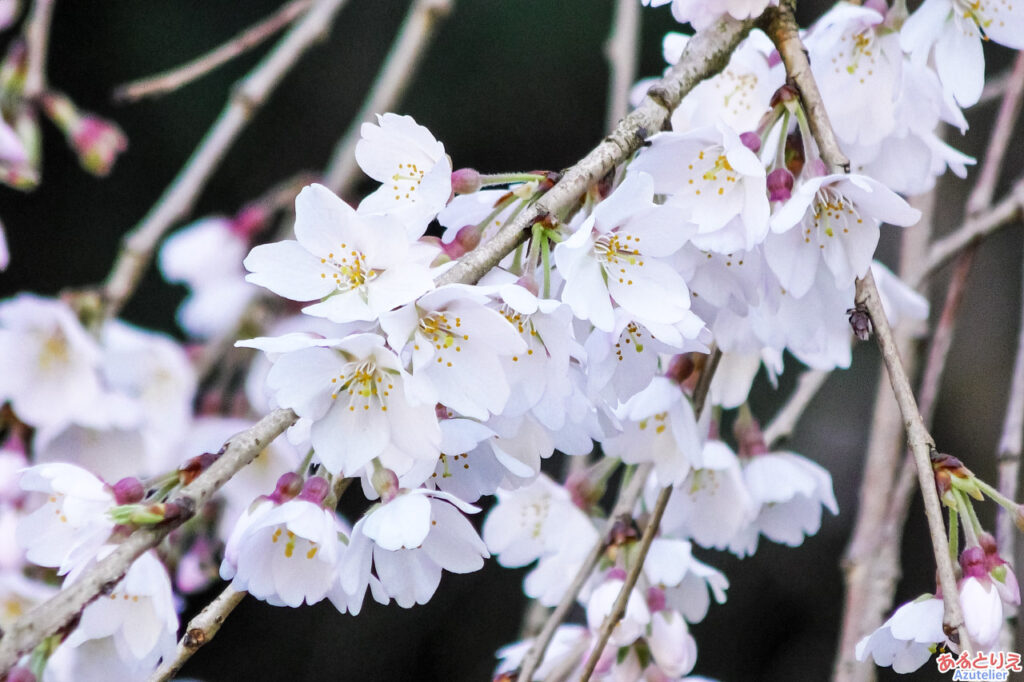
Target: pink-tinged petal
288 270
960 62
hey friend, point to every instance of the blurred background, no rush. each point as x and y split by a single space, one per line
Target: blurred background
512 85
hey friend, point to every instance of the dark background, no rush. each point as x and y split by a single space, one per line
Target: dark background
507 85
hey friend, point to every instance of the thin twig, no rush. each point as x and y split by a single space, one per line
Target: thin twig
200 630
784 32
973 229
63 607
173 79
700 395
1008 454
622 52
177 200
405 56
785 421
37 40
706 54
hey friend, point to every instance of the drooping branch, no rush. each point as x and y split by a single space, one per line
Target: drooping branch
622 52
63 607
249 95
37 40
173 79
414 36
782 29
700 395
706 54
785 421
199 631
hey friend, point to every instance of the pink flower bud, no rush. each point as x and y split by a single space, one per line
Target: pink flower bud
288 486
655 599
466 239
465 181
616 574
751 141
315 490
98 143
249 221
786 93
780 185
680 368
879 6
20 674
972 563
129 491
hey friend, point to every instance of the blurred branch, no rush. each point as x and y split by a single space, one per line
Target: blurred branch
706 54
785 421
177 200
1008 456
172 79
700 395
783 30
622 52
37 40
67 604
199 632
405 56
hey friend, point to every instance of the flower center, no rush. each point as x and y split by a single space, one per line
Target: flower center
832 213
365 386
710 174
406 180
348 269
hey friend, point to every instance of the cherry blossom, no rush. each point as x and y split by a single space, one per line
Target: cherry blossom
907 639
359 265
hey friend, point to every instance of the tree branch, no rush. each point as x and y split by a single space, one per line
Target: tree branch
406 54
200 631
37 40
622 53
700 395
706 54
785 421
249 95
63 607
172 79
783 30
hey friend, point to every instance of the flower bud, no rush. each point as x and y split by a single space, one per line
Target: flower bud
129 491
749 437
466 239
751 141
465 181
288 486
794 154
20 674
680 368
96 141
656 599
972 563
385 482
249 221
780 185
785 94
315 490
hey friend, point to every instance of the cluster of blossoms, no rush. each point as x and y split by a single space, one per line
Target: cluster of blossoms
728 233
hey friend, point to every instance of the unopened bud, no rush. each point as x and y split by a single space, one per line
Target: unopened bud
988 544
188 471
749 437
680 368
96 141
466 239
616 574
751 141
249 221
385 482
315 490
793 155
786 93
465 181
780 185
129 491
972 562
20 674
288 486
656 599
860 322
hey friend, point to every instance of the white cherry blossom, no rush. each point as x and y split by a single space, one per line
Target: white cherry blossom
359 266
411 165
907 639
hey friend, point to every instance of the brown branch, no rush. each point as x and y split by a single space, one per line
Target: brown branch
782 29
63 607
622 53
37 40
700 395
405 56
199 632
177 200
173 79
785 421
706 54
